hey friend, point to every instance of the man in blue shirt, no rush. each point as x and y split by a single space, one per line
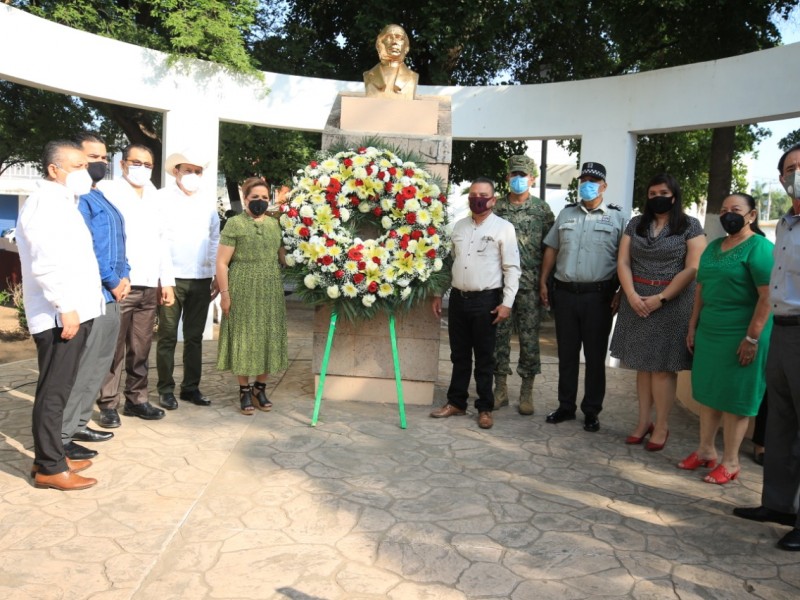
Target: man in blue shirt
107 228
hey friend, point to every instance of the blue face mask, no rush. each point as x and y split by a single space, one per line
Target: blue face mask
588 191
519 185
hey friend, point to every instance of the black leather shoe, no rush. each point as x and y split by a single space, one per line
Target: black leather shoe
109 418
765 515
92 435
144 411
791 541
196 397
78 452
591 423
560 415
168 401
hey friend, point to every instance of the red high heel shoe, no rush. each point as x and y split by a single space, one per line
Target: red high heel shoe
721 476
651 447
632 439
691 462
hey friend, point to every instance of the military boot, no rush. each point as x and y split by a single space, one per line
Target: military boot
526 396
500 391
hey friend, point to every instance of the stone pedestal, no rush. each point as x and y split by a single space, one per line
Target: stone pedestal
360 366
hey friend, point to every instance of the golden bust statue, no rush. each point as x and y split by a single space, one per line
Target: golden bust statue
391 78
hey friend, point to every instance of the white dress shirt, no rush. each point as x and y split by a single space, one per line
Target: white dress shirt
486 257
146 246
191 226
59 268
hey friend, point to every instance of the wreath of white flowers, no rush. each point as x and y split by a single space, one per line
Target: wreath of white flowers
334 196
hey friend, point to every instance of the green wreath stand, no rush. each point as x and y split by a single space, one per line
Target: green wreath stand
324 369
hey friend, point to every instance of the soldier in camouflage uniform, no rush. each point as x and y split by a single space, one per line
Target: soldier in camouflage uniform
532 219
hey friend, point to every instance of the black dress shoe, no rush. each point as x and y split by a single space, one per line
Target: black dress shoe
765 515
78 452
791 541
196 397
144 411
168 401
92 435
109 418
591 423
559 415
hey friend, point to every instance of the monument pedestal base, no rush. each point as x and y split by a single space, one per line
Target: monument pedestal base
372 389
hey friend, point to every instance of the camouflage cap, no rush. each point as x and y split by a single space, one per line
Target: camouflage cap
523 164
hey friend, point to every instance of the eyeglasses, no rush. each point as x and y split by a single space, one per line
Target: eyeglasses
138 163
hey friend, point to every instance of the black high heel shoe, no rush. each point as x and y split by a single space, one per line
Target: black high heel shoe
245 403
262 402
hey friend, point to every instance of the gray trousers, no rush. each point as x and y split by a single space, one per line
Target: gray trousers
93 368
782 443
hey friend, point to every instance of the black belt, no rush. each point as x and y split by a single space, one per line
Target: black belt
786 321
584 288
471 295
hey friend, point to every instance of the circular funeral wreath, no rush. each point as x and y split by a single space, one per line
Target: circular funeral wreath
337 196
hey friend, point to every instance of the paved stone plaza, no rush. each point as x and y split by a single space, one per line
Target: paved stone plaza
208 503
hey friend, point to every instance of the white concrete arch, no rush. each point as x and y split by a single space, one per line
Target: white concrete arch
607 113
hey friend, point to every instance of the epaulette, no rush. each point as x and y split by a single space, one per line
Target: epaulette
614 206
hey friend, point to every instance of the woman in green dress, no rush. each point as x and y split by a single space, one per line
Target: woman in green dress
729 334
252 335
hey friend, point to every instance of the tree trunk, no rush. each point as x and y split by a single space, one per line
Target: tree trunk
233 194
720 176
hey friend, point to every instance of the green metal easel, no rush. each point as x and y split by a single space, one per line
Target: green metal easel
324 369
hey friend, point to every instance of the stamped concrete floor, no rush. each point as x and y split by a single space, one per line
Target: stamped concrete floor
208 503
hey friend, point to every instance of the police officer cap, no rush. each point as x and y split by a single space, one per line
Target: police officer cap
593 169
523 164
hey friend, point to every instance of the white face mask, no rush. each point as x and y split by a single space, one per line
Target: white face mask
139 176
79 182
190 182
791 183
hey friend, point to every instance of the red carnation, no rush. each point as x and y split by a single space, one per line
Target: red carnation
416 234
313 164
362 265
355 252
354 200
387 187
327 259
382 175
369 169
411 218
329 242
372 287
431 253
308 221
304 232
427 200
392 234
400 202
443 199
339 274
330 197
431 230
358 278
404 241
361 149
409 192
359 182
377 211
376 260
409 172
392 171
347 162
293 212
335 185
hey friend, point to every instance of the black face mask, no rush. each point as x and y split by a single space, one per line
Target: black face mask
660 204
732 222
97 171
257 207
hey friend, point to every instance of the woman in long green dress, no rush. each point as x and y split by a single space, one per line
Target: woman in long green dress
729 334
252 335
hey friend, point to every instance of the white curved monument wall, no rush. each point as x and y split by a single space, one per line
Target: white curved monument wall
606 113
